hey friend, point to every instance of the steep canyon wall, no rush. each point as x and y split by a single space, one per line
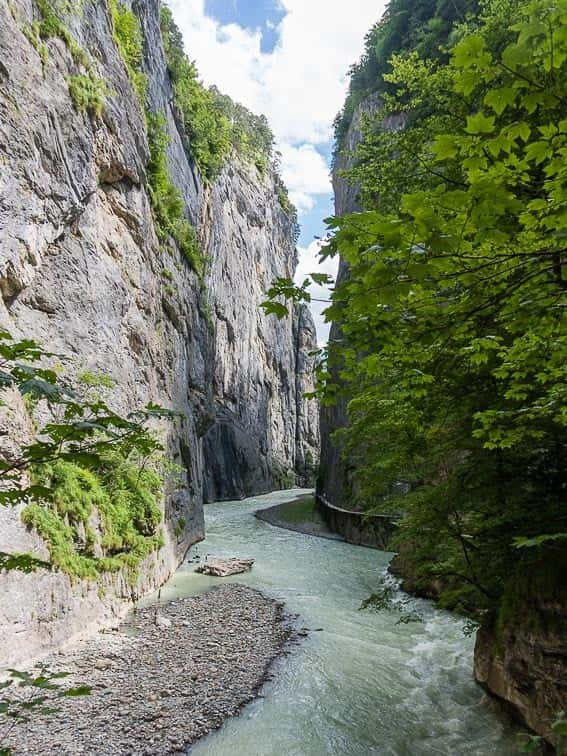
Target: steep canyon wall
83 272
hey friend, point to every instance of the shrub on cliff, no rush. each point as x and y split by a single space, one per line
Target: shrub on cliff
89 477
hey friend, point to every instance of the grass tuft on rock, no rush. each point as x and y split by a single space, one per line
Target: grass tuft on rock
129 40
98 521
88 93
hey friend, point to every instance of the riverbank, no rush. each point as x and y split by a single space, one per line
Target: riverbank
299 515
168 676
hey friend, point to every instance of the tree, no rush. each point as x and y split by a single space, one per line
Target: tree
86 456
454 354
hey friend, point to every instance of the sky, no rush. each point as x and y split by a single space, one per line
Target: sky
287 59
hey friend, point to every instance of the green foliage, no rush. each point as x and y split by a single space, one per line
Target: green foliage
95 484
286 205
454 352
215 125
52 24
129 40
180 527
534 743
421 26
302 510
283 477
24 694
206 125
379 600
166 199
122 493
33 35
250 135
21 562
387 598
167 203
88 93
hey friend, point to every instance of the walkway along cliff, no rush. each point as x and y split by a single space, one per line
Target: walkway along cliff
85 270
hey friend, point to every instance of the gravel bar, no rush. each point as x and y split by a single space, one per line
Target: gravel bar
166 678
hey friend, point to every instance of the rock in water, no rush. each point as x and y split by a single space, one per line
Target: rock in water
226 567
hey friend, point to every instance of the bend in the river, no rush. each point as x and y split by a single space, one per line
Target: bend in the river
363 684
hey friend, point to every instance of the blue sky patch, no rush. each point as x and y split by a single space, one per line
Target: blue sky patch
250 14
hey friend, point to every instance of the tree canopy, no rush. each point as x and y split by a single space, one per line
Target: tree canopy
453 352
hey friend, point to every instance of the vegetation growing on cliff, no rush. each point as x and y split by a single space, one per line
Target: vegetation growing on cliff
214 124
167 201
88 93
215 127
421 26
88 90
128 38
89 478
98 520
454 348
207 126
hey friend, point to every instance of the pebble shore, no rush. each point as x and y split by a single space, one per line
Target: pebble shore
166 678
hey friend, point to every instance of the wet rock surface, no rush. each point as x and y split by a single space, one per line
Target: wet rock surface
170 675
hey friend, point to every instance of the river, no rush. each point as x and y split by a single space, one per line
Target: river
363 684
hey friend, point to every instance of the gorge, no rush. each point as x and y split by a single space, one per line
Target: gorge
162 380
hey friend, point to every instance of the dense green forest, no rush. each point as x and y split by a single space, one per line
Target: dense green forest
453 353
423 26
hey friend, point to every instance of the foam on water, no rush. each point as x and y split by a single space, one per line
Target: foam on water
364 685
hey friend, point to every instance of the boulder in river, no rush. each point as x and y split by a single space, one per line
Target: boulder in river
225 567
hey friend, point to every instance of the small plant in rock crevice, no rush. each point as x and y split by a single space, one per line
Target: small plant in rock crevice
88 93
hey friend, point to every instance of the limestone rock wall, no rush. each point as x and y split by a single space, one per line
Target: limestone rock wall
522 660
82 271
334 482
265 428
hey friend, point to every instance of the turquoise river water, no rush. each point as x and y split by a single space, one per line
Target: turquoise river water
363 684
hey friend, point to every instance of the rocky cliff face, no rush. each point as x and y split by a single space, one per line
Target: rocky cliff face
264 429
83 272
334 479
522 659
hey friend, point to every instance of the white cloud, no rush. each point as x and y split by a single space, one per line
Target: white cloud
309 263
305 173
299 86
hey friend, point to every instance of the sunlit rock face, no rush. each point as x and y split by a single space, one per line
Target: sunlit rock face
83 272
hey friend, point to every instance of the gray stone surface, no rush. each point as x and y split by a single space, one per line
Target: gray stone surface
82 271
225 567
166 679
523 661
